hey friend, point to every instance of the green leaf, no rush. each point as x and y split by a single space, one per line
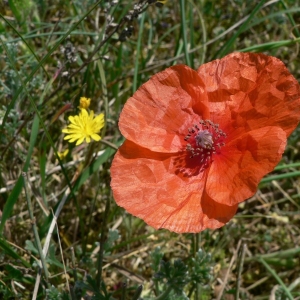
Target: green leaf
31 247
175 274
156 256
229 44
201 267
13 273
9 251
53 293
15 10
113 235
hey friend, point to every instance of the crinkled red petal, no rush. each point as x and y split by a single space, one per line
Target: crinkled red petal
236 172
145 184
158 114
247 91
255 101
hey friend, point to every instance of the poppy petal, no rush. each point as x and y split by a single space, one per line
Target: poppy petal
198 143
143 182
235 174
157 115
250 90
198 212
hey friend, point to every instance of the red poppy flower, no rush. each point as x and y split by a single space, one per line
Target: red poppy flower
199 142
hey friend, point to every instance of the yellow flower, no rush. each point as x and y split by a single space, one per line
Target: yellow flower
160 3
63 154
84 102
84 126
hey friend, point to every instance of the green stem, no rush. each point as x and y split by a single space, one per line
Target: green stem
45 58
240 268
109 144
184 33
292 165
197 242
280 176
138 49
35 231
286 290
291 19
124 286
228 46
101 243
137 293
72 294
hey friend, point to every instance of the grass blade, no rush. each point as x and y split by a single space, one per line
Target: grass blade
278 279
184 33
229 45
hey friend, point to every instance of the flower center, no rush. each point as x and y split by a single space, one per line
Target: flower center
203 141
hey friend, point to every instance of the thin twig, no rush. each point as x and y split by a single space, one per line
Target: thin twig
233 259
90 58
34 227
48 238
62 258
73 296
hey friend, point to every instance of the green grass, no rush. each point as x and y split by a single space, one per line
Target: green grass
62 211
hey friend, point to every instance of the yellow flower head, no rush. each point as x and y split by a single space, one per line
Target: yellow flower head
84 102
84 126
160 3
63 154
